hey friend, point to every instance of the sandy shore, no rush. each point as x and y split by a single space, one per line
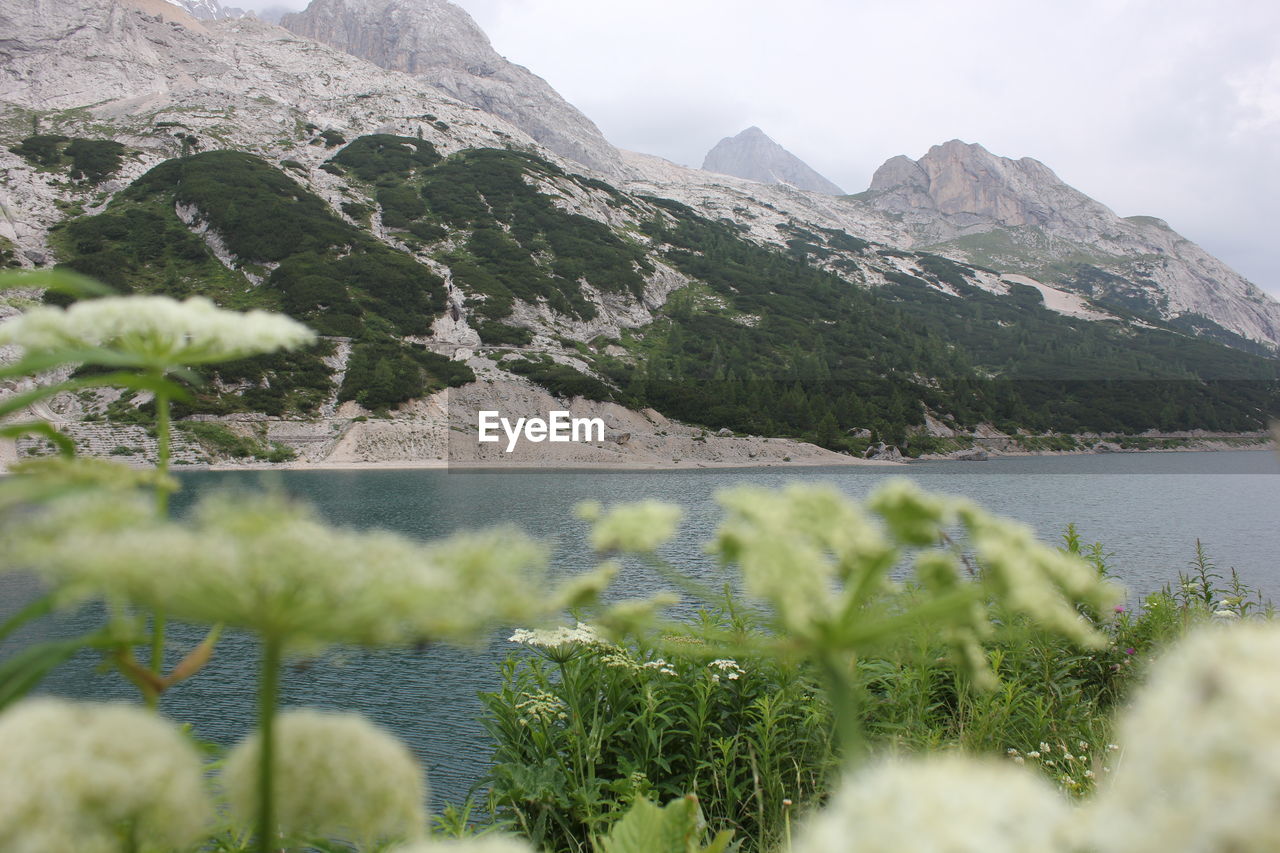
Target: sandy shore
489 465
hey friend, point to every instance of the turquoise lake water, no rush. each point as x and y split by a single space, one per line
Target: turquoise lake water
1148 509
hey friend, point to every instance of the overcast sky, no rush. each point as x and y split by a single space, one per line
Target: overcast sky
1169 108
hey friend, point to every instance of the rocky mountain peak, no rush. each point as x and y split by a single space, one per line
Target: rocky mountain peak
966 180
207 10
441 44
1020 217
754 156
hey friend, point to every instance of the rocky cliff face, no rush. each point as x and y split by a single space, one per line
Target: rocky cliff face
440 44
208 10
754 156
1018 216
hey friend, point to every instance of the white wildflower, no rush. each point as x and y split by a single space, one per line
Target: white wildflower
337 775
798 547
942 803
155 331
270 566
1035 580
639 527
728 668
659 665
72 773
581 634
542 708
1201 767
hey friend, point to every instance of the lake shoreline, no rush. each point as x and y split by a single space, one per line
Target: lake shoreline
1206 445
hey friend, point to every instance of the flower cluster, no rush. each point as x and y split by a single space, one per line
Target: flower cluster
581 634
659 665
1201 755
270 566
798 545
638 527
73 773
542 707
944 802
337 775
1073 768
727 668
154 331
821 562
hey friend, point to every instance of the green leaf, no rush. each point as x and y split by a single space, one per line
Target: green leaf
20 673
675 828
42 606
60 280
66 446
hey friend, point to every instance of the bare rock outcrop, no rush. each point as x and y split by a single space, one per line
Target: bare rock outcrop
1017 215
439 43
754 156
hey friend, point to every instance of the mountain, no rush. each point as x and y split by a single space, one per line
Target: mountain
440 44
1018 216
437 246
208 10
754 156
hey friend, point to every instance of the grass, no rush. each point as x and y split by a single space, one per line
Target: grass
582 730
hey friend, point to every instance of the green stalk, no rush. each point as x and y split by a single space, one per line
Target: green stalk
164 431
268 695
844 703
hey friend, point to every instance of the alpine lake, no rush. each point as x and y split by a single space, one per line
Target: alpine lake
1147 509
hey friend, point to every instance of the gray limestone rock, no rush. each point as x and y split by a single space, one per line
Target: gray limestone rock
439 43
1018 216
754 156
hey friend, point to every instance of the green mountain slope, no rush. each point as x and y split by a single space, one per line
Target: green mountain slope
760 340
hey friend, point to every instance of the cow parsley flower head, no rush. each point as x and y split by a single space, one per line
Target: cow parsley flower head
1200 766
795 546
155 331
336 775
73 773
638 527
1035 580
944 802
581 634
268 565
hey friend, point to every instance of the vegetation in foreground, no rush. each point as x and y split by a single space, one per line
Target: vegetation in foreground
897 640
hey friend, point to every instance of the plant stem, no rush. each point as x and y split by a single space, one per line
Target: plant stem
844 703
268 694
164 431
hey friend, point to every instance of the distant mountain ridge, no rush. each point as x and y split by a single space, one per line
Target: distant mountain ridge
439 43
754 156
1019 216
208 10
434 244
